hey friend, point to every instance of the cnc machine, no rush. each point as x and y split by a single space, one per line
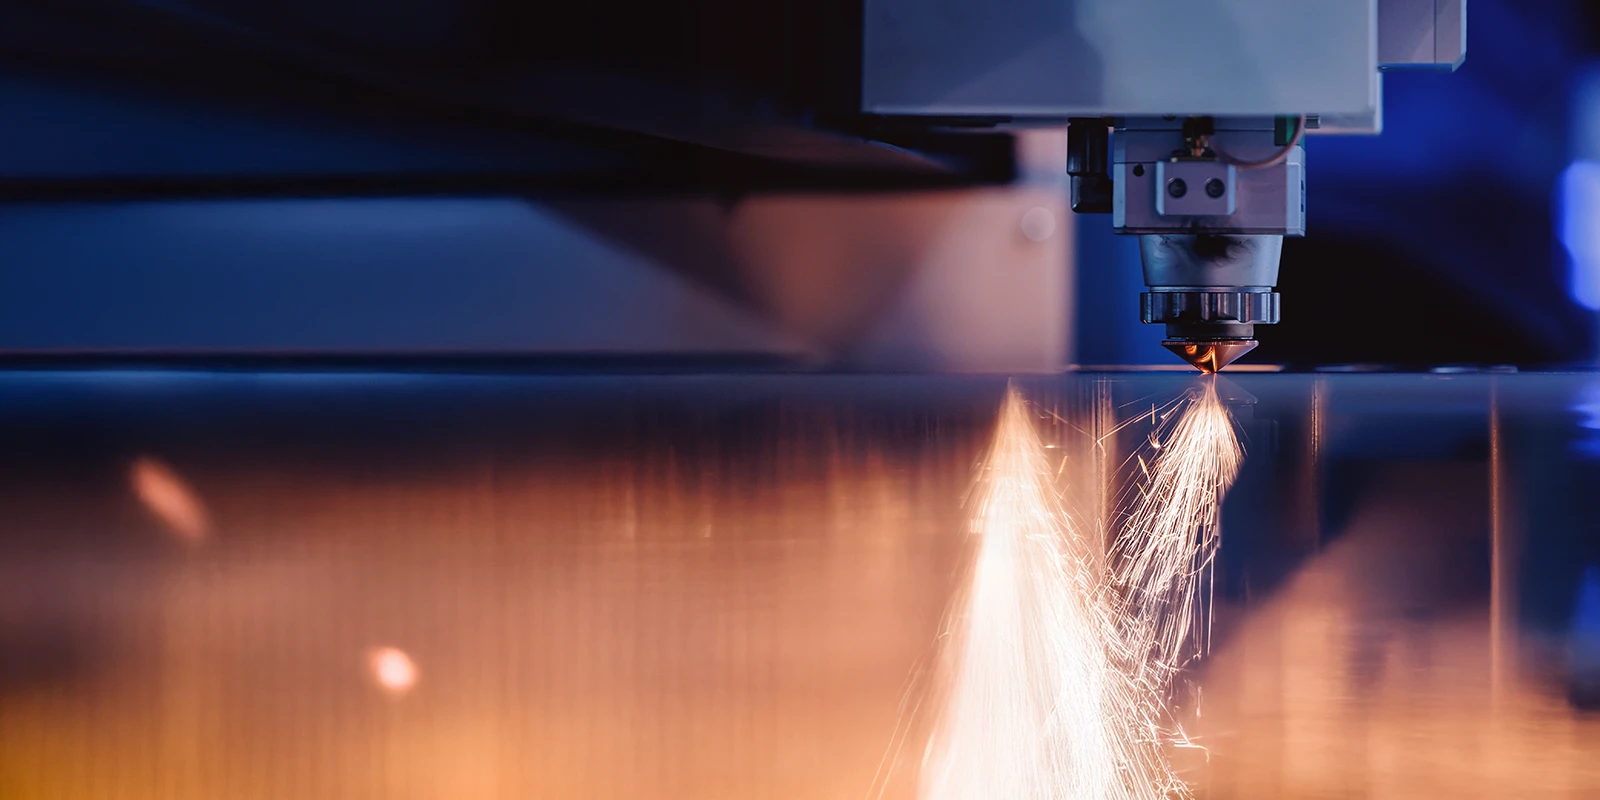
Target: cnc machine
1206 107
801 160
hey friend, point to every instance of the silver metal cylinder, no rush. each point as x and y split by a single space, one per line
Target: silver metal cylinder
1199 262
1210 286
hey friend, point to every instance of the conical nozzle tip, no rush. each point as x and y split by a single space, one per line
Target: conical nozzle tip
1210 356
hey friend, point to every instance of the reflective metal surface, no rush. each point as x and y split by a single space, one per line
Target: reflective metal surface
337 586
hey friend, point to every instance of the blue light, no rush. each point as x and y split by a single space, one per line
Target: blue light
1586 617
1587 409
1580 229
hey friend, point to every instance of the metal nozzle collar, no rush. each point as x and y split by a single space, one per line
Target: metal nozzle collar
1210 289
1244 307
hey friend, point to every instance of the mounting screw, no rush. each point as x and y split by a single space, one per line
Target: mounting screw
1214 188
1177 188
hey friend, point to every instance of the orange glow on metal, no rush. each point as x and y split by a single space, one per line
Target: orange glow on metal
392 669
170 499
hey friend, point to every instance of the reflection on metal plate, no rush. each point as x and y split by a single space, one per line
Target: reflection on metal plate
722 587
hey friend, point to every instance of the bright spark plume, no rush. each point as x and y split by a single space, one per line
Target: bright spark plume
1056 674
1163 556
1036 708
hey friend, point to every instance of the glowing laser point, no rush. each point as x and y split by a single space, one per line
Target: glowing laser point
1034 706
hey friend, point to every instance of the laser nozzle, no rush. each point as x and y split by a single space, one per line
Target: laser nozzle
1210 355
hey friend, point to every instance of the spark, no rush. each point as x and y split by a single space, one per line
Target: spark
1035 705
1057 677
1169 540
1163 556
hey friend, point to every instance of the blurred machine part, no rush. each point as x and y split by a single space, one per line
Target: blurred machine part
1579 193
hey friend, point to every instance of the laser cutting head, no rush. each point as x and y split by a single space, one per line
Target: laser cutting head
1210 200
1210 291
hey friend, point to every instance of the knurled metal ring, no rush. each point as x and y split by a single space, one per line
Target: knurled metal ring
1237 307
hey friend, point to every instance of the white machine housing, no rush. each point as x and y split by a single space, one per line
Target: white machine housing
1051 59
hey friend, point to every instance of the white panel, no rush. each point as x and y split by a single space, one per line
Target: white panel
1422 34
1450 32
1052 58
1405 31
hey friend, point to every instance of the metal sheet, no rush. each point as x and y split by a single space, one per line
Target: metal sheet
498 586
